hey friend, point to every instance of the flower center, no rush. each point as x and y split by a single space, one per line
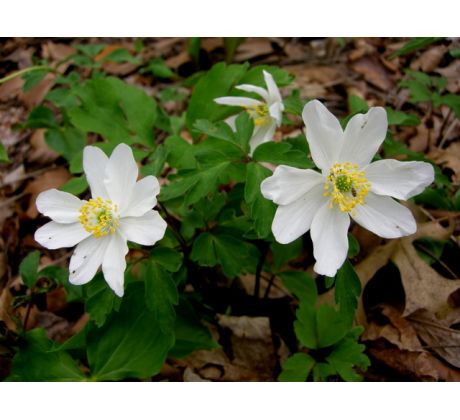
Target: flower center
100 217
259 113
347 186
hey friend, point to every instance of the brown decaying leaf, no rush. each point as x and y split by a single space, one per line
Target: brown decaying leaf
424 287
399 331
437 336
40 152
449 157
50 179
418 365
251 356
373 72
429 59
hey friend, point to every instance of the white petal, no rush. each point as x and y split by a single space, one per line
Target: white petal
114 263
87 258
94 164
262 134
144 230
385 217
237 101
293 220
254 89
276 112
329 233
273 91
363 136
324 134
288 184
143 197
231 121
398 179
60 235
121 175
60 206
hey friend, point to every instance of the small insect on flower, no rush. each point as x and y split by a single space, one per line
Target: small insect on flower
350 185
266 114
120 211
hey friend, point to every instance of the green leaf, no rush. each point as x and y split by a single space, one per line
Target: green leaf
254 76
158 68
169 258
3 154
67 141
414 45
215 83
100 300
244 130
219 130
348 354
160 294
121 55
190 333
453 102
282 253
455 52
62 98
357 105
156 162
90 50
32 79
75 185
282 154
302 285
36 362
41 117
194 45
353 246
117 111
401 118
28 269
319 328
297 368
434 198
347 290
261 210
293 104
180 153
234 255
231 44
131 343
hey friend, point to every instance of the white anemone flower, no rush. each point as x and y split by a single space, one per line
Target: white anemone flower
266 113
120 210
349 186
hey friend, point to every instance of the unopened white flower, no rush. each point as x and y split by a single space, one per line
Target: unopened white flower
349 185
266 113
120 211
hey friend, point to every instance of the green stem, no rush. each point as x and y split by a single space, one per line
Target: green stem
24 71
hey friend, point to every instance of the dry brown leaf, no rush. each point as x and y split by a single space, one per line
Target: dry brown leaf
437 336
451 73
374 72
449 157
398 332
253 48
429 59
50 179
419 142
11 89
251 356
419 365
40 152
424 287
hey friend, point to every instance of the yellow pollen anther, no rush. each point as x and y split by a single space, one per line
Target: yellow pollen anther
347 186
100 217
259 113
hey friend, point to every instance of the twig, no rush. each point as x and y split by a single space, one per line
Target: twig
270 284
259 267
24 71
427 251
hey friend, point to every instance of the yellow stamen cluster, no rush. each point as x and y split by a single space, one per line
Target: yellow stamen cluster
100 217
347 186
259 113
